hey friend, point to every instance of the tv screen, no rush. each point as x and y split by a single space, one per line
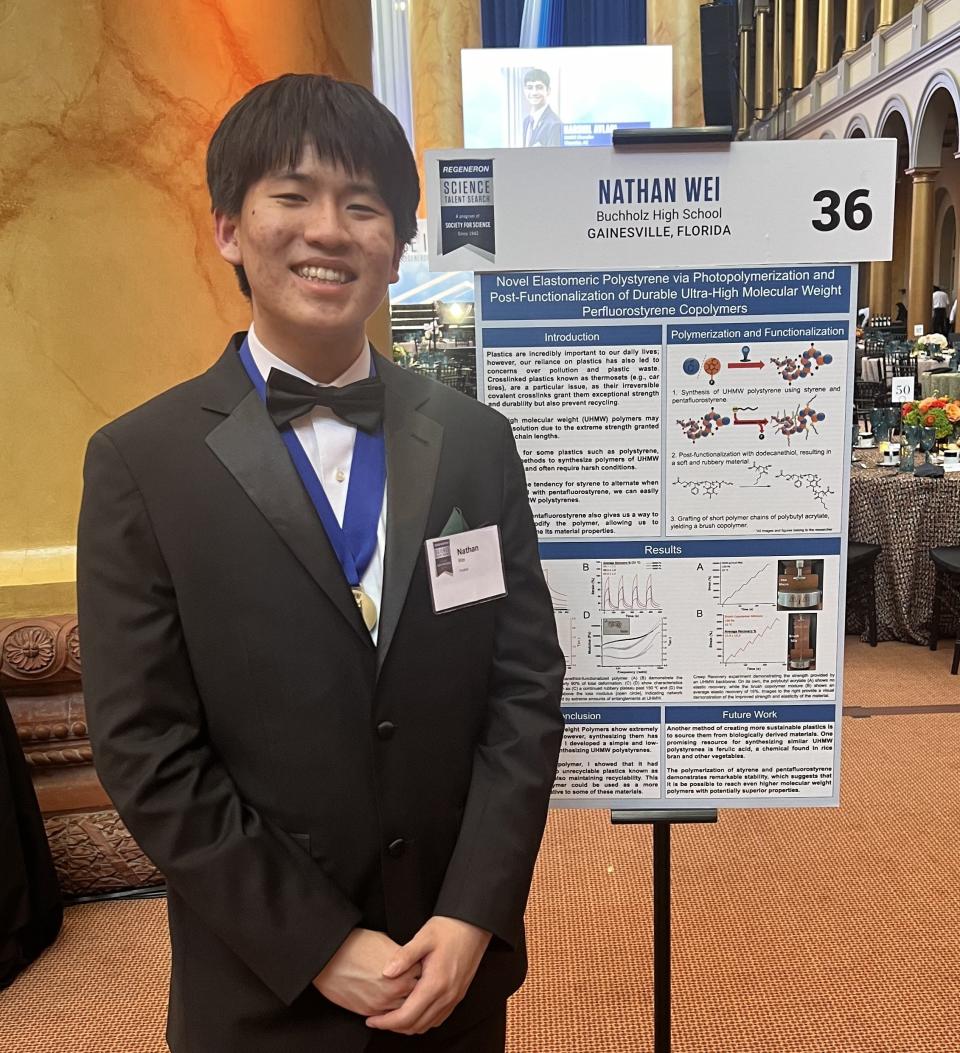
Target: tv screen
563 96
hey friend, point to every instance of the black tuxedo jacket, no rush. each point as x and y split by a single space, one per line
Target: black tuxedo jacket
548 132
290 779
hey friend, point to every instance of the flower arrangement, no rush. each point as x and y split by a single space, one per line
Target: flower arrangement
938 413
930 343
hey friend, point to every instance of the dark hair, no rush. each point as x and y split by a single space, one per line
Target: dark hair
265 132
537 74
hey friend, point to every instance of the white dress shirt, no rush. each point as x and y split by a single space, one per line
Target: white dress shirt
328 443
535 120
940 300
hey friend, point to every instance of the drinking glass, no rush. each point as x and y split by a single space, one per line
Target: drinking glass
928 439
911 439
880 423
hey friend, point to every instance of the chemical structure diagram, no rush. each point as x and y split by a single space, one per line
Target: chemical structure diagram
762 479
706 487
698 429
810 361
759 422
811 482
803 420
762 471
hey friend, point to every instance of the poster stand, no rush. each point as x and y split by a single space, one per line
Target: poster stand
662 819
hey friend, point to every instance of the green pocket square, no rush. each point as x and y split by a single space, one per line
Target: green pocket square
456 524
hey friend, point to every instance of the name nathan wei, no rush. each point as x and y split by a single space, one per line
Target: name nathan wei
698 191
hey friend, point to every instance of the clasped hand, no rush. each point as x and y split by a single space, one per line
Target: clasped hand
407 989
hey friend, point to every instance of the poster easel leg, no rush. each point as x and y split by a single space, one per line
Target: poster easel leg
661 820
661 937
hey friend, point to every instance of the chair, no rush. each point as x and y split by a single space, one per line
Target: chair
946 595
861 589
867 395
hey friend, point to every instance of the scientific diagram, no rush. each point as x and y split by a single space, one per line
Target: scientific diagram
706 487
634 640
810 361
803 421
628 587
789 367
753 638
708 424
743 583
558 597
810 481
565 634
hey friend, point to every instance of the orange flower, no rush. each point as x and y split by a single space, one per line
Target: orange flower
925 405
907 408
929 420
952 410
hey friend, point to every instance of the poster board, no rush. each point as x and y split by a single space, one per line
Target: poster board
680 389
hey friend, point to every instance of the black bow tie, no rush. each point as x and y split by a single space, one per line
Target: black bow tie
359 404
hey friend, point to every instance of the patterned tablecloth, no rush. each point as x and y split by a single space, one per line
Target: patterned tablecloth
947 384
907 516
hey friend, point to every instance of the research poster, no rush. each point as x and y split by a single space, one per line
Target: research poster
681 396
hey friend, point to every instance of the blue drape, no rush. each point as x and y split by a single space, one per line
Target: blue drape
500 22
605 22
582 22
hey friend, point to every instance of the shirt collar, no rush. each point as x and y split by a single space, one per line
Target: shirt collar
265 360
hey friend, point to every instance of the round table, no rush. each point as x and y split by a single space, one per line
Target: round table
947 384
907 515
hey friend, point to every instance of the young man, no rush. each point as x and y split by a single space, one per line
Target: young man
345 790
542 126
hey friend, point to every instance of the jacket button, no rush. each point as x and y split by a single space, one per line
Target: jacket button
385 729
396 848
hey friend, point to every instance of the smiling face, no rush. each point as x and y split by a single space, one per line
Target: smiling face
536 92
319 248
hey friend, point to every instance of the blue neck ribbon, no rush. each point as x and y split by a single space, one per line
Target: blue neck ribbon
356 541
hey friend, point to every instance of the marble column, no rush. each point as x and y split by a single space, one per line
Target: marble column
439 29
112 288
762 64
879 298
800 52
887 13
782 67
920 283
677 22
744 108
825 32
902 208
851 35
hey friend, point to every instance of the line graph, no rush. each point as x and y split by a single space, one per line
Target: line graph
742 585
626 587
565 636
559 598
752 639
632 641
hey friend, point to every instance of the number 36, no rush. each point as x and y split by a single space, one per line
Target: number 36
857 214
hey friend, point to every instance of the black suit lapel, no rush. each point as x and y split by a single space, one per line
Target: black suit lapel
413 455
249 446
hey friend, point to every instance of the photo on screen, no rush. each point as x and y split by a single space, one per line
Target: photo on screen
563 96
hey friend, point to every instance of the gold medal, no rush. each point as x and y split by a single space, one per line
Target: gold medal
368 609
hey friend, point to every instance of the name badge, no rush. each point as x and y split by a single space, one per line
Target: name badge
465 568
